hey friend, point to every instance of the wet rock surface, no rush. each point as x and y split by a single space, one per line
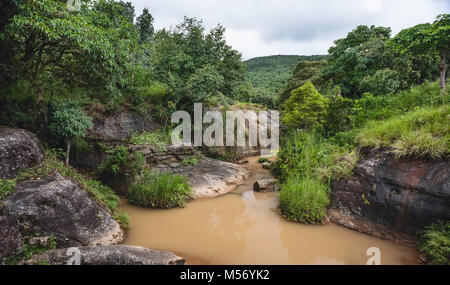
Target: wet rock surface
19 149
392 198
55 206
11 242
108 255
265 184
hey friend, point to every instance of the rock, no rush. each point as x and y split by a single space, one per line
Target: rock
108 255
392 198
423 258
118 127
39 241
267 165
11 242
19 149
266 184
209 177
243 162
55 206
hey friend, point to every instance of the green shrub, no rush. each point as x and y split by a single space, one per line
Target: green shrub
305 108
121 161
6 187
123 219
263 159
190 161
435 241
304 200
157 140
422 133
159 190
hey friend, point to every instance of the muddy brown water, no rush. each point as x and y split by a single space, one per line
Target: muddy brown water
245 227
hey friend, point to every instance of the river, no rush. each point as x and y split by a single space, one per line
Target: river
245 227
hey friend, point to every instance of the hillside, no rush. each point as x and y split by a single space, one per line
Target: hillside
269 74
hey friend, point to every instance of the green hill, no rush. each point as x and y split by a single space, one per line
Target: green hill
269 74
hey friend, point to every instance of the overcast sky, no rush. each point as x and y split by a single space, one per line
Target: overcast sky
301 27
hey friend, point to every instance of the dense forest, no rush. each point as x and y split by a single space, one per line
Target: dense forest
269 74
60 69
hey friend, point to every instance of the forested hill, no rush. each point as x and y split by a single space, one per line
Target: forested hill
269 74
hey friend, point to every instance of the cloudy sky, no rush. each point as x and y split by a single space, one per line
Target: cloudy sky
303 27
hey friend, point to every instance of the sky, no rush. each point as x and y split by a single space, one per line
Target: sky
300 27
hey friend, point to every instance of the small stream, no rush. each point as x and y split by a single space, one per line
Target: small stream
245 227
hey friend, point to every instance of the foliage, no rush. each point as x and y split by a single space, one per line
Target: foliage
159 190
68 121
123 219
99 192
421 133
190 161
157 140
121 161
304 200
305 108
6 187
144 24
435 241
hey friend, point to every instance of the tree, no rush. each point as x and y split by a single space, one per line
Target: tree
361 53
144 24
46 43
427 38
69 121
306 107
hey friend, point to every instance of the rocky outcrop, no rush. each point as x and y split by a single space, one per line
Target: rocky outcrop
392 198
19 149
55 206
108 255
208 177
11 242
118 127
265 184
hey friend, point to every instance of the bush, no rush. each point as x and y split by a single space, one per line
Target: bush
435 241
305 108
422 133
159 190
157 140
304 200
123 220
121 161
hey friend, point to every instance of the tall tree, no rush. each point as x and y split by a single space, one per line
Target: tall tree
144 24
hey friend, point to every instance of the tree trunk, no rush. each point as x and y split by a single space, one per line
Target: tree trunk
68 151
443 69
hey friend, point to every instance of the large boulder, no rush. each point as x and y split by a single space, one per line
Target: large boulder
392 198
208 177
120 126
108 255
55 206
19 149
265 184
11 242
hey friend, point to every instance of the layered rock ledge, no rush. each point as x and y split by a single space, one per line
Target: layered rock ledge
392 198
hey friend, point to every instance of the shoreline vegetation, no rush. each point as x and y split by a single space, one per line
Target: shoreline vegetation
62 73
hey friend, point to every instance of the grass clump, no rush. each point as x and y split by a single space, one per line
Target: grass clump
123 219
421 133
7 186
159 190
157 140
304 200
435 241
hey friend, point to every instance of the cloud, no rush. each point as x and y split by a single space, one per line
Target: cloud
264 27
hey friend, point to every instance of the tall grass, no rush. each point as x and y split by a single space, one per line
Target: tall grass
421 133
435 241
159 190
304 200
